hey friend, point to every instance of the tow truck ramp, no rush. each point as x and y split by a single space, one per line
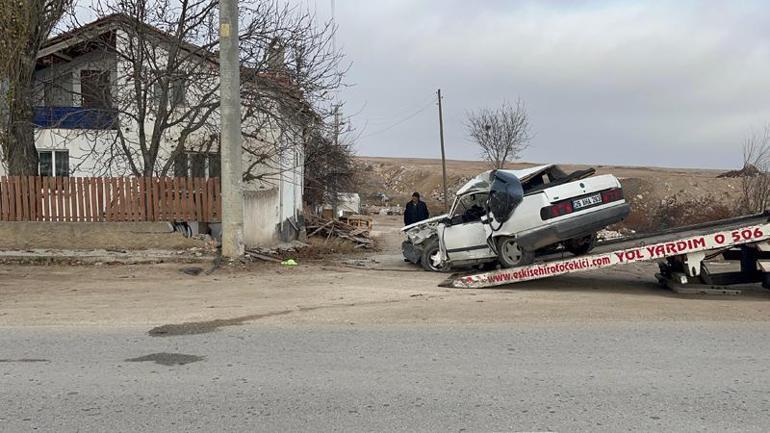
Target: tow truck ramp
682 254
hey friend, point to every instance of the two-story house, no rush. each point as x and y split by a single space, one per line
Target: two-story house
116 98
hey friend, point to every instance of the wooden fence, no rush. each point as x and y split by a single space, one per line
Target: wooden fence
98 199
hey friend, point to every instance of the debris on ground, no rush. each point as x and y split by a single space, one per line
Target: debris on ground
289 262
275 254
608 235
329 228
192 270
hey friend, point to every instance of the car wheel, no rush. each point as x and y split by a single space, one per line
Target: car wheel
580 246
431 257
511 254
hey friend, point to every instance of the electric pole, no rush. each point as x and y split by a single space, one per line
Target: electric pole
443 156
334 193
230 144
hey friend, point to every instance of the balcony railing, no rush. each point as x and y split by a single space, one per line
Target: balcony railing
75 118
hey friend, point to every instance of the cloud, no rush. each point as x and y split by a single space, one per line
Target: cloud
645 83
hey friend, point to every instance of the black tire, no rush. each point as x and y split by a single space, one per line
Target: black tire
510 255
428 253
580 246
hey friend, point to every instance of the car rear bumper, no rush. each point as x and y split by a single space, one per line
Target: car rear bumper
571 228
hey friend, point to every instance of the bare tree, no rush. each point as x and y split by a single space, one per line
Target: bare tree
25 27
329 165
502 133
755 174
165 86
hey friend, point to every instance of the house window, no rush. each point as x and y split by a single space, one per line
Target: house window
58 91
95 89
54 162
197 164
177 92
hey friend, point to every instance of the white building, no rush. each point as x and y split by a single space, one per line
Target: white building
87 119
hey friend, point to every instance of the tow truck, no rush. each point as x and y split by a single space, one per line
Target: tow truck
683 255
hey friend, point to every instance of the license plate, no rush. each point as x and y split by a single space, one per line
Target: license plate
586 201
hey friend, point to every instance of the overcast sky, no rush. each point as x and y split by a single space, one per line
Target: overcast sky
679 83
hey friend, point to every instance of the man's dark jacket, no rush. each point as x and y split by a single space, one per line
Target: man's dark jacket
415 212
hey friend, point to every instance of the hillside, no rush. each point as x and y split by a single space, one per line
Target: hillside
657 195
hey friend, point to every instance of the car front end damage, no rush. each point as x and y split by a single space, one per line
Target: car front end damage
417 235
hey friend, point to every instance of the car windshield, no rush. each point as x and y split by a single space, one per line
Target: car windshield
470 206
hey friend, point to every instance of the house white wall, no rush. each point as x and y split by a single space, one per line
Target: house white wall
272 206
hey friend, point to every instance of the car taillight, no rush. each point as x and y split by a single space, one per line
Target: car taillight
611 195
556 210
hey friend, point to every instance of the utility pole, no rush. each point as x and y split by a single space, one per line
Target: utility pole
443 156
230 144
334 192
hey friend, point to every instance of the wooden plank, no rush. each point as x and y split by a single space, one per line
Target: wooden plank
3 199
123 198
55 196
184 199
100 199
85 213
15 190
143 198
79 198
5 202
4 207
87 199
130 205
191 200
199 193
205 200
94 194
39 201
136 186
47 197
180 186
29 189
73 199
162 206
218 200
109 192
150 199
34 198
65 199
177 198
22 191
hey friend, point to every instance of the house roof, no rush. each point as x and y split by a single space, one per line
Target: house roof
54 46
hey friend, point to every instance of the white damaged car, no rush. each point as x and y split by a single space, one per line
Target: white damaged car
507 216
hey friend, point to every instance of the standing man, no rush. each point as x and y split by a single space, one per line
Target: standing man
415 210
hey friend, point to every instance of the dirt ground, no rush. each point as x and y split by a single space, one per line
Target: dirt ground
364 288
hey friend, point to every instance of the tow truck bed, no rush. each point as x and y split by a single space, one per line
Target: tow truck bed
681 252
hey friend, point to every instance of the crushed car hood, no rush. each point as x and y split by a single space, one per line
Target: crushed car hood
434 219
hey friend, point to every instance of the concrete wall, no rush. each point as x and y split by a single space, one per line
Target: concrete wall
261 210
63 235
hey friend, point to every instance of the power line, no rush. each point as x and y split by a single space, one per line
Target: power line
406 119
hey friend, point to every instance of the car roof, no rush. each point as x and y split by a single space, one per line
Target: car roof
481 182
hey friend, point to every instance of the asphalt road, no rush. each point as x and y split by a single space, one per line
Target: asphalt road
608 377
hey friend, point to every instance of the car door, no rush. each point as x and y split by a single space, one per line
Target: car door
466 241
465 238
